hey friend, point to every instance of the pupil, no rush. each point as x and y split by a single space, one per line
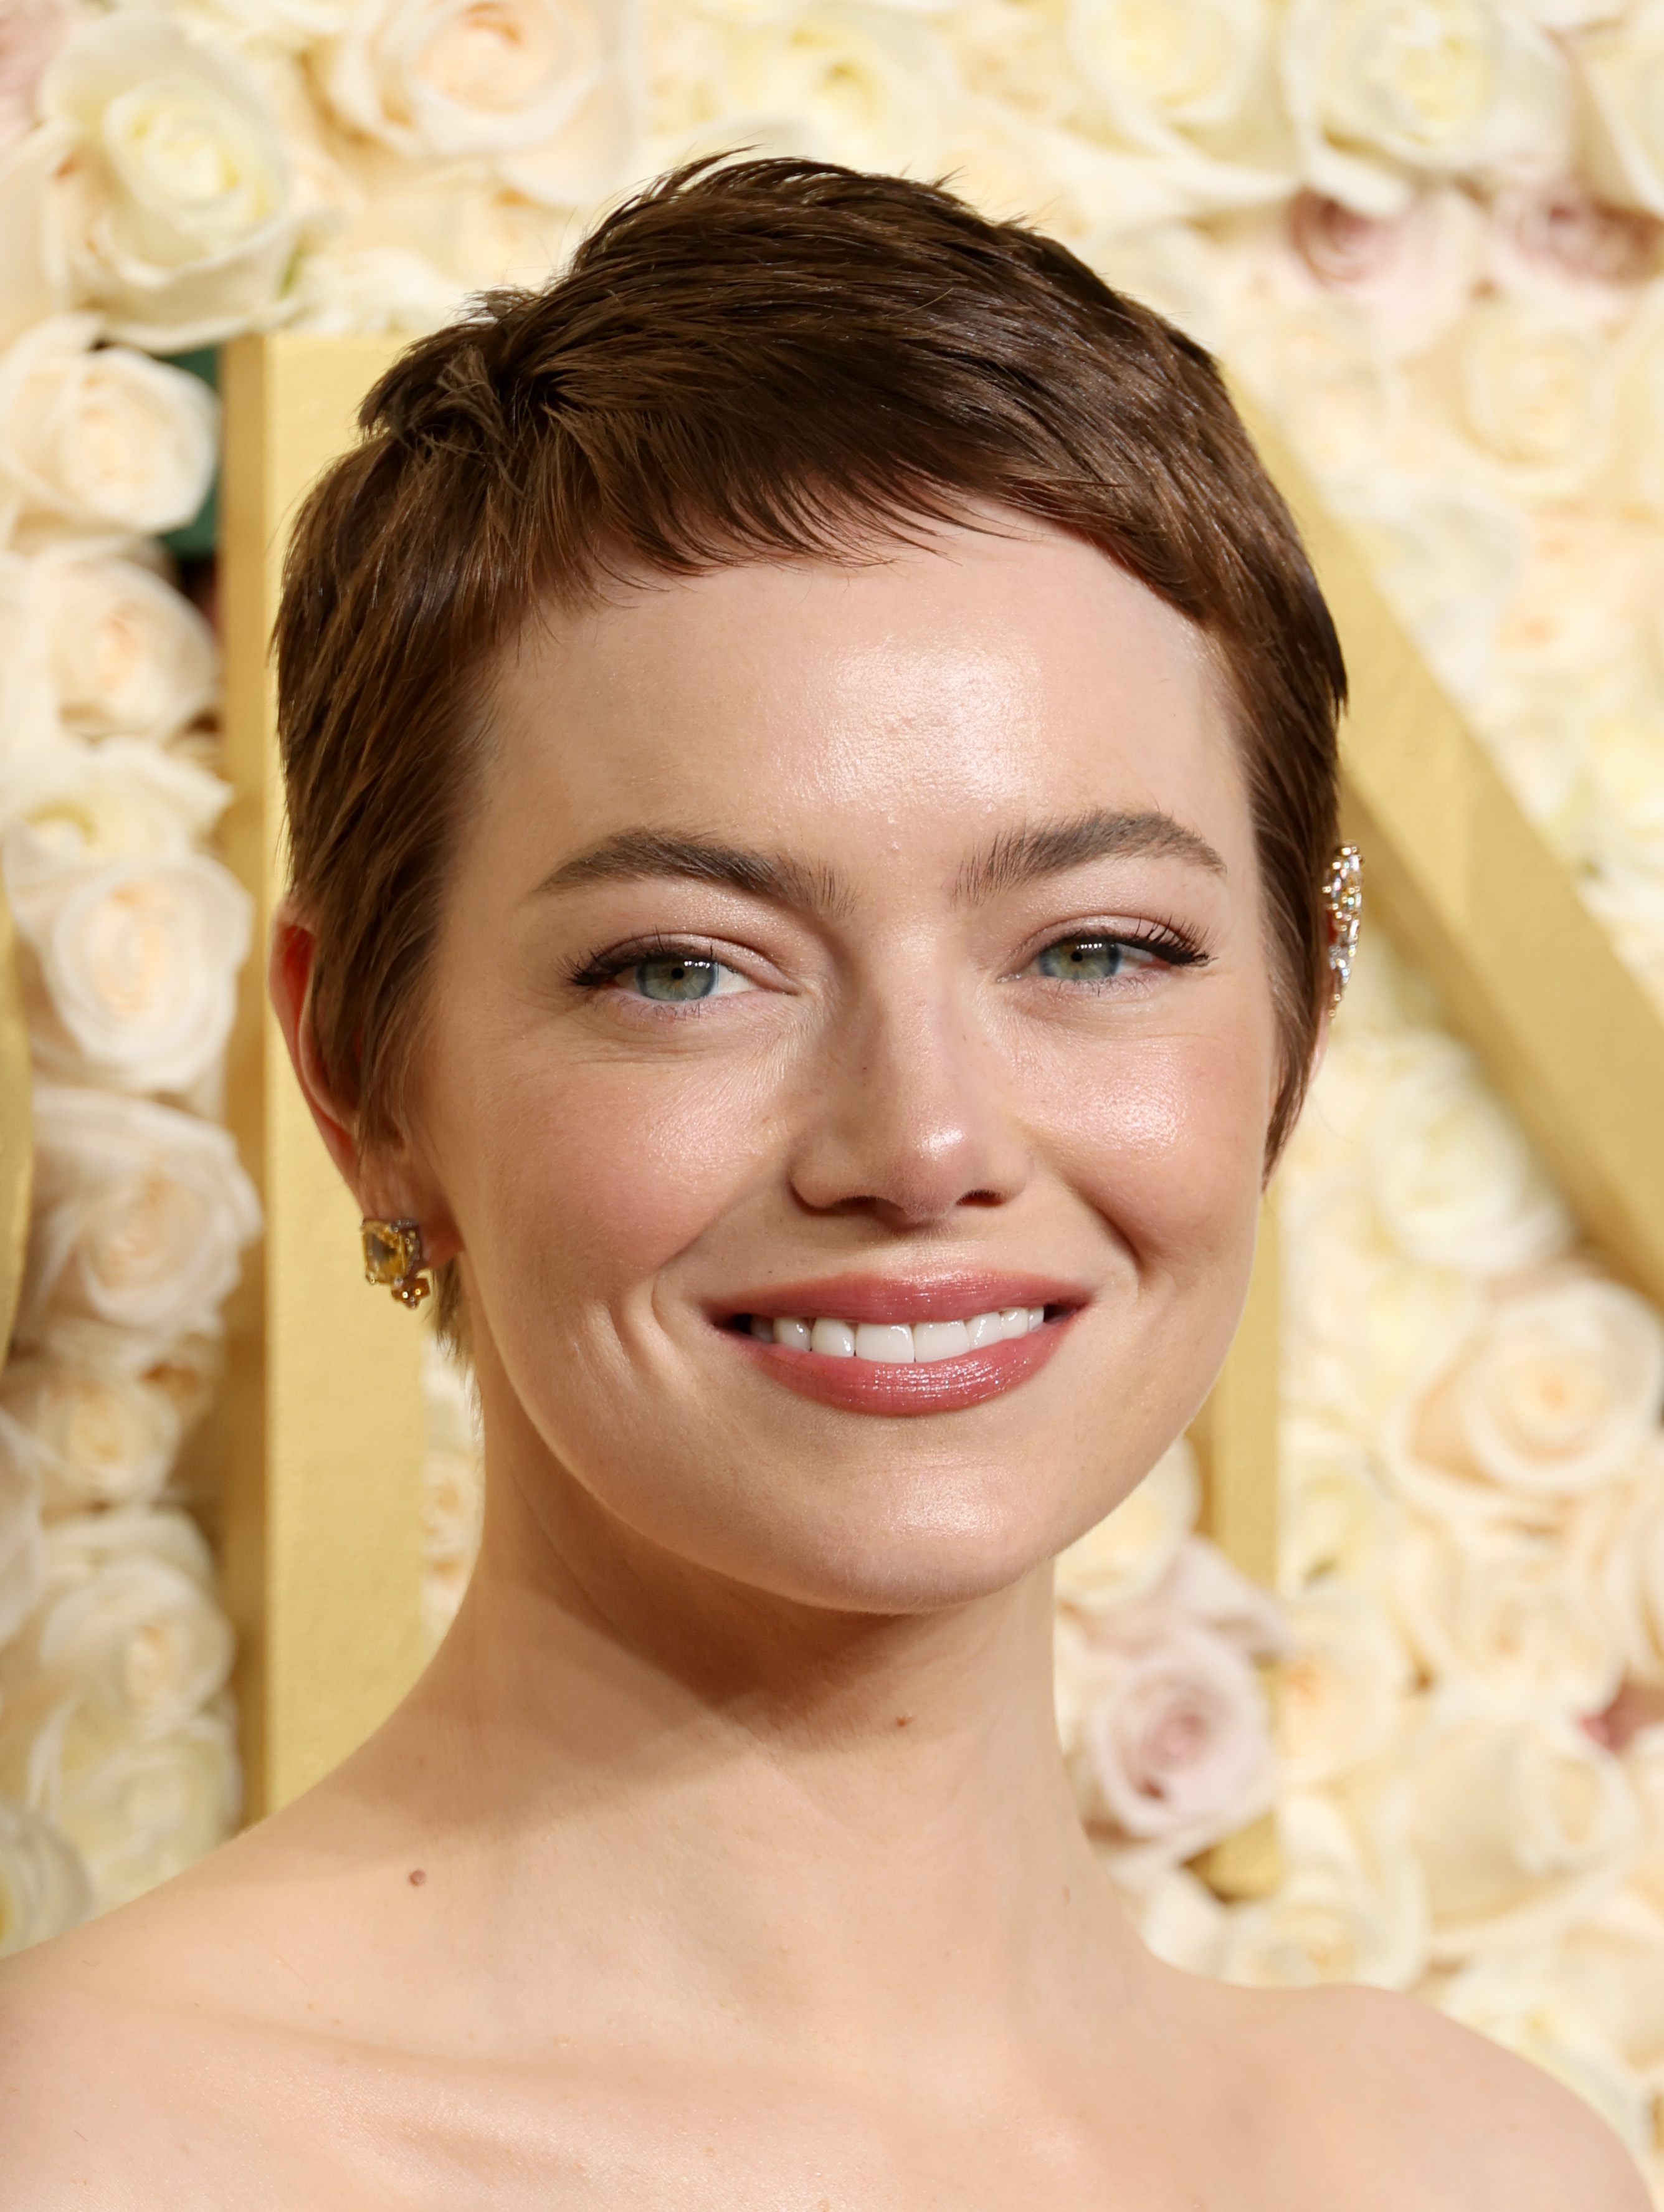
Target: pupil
676 980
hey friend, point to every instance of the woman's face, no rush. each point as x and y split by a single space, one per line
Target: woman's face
843 956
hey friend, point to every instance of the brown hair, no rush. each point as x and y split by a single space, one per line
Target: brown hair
767 359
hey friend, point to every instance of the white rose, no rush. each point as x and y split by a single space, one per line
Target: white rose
141 1213
1340 1691
1513 1613
1537 393
133 979
129 655
1350 1907
22 1558
1176 1749
1533 2005
31 32
119 800
1320 365
1632 1572
1450 558
1623 68
1130 1551
149 1809
1521 1823
98 1435
1338 1520
1171 65
1453 1177
864 84
1563 1387
179 216
44 1885
28 707
545 86
385 287
106 439
1450 87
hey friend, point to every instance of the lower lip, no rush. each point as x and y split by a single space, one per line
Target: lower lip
932 1386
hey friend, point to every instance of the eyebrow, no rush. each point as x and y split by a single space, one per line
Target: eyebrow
1016 857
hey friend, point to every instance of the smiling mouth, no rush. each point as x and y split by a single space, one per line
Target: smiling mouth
895 1344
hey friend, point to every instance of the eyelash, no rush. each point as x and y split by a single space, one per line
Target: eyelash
597 970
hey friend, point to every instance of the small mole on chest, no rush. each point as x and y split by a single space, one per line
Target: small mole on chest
418 1877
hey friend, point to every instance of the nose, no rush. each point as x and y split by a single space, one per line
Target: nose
912 1117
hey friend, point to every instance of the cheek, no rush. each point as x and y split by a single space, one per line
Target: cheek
590 1179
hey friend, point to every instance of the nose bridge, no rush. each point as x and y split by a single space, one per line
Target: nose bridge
911 1113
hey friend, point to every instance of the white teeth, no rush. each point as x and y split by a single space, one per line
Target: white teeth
938 1339
883 1341
895 1344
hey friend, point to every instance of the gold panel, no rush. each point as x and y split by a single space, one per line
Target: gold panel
322 1521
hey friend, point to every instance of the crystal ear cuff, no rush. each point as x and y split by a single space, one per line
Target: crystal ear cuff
1343 902
393 1256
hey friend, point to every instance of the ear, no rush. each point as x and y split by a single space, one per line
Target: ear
395 1188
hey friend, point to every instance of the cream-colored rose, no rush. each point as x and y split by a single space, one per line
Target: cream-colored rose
1537 396
29 710
1176 1748
22 1559
543 86
1623 70
1521 1822
1632 1570
179 214
1563 1387
1351 1906
124 799
43 1883
1341 1690
378 288
1319 363
1453 1178
1590 591
1560 239
1338 1521
98 1434
104 439
1129 1552
141 1213
1171 65
129 655
33 282
863 84
1533 2004
1382 92
130 969
31 32
150 1808
1450 558
1513 1613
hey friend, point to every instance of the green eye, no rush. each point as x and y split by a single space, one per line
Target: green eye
1084 959
674 979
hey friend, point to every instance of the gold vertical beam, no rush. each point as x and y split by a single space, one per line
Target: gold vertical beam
1235 1436
1467 885
323 1525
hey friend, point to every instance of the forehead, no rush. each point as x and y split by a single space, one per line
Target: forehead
987 675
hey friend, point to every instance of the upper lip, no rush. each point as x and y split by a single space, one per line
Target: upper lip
946 1295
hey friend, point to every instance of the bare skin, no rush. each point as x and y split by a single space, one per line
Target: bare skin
723 1857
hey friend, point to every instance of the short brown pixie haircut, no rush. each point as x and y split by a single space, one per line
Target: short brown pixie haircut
756 361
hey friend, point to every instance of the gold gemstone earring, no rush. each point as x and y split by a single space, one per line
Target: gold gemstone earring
1343 901
393 1256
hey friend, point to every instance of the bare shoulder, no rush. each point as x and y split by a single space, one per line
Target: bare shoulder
1454 2120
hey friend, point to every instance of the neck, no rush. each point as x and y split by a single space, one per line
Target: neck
811 1815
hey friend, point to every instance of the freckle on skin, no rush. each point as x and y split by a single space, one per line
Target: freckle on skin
904 1720
418 1877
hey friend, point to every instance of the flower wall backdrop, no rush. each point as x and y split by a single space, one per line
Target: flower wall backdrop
1428 232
